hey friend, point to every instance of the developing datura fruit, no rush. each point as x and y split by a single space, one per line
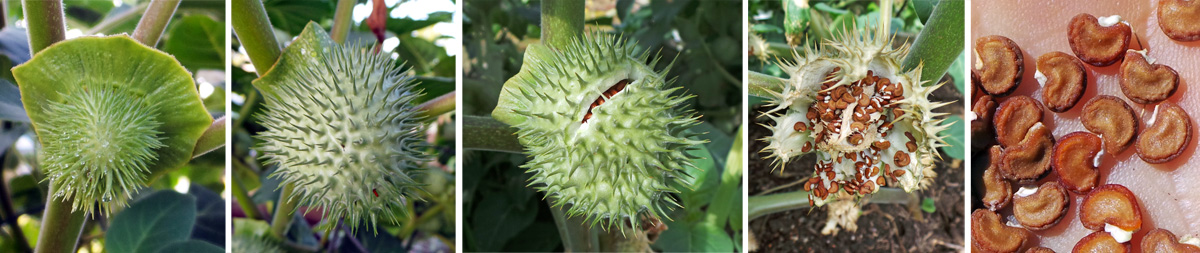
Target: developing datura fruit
109 113
342 127
865 118
606 131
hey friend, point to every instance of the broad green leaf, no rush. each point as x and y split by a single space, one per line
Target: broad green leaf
954 138
194 246
198 42
303 52
122 63
292 16
250 228
162 218
955 71
10 101
706 176
210 215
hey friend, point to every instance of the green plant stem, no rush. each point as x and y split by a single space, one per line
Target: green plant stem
3 14
763 85
243 196
438 106
562 20
251 101
212 138
151 27
60 226
939 43
342 20
490 135
46 26
764 205
255 32
575 234
111 23
10 216
284 212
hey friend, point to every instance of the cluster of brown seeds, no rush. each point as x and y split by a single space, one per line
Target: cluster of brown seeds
1025 148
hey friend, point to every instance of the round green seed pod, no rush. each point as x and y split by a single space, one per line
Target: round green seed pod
110 113
605 131
342 129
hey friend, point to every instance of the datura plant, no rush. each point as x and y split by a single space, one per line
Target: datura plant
868 121
342 128
109 114
606 132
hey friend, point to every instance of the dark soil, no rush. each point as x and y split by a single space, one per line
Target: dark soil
881 227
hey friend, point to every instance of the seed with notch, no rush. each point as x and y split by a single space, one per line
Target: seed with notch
982 134
1014 118
1039 250
989 234
998 192
1095 43
1074 161
1161 240
1180 19
1043 208
1030 159
1100 241
900 159
1169 132
1146 83
1063 80
1110 204
999 65
1113 119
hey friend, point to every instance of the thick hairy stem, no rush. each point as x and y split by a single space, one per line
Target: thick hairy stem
342 20
60 226
490 135
151 27
764 205
46 26
438 106
255 32
212 139
939 43
575 234
763 85
562 20
284 210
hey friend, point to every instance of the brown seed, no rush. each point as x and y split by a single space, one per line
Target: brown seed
1030 159
989 234
1039 250
1074 161
856 138
1113 119
1180 19
1002 65
896 173
897 113
833 188
881 144
806 148
982 133
1146 83
1161 240
1169 132
811 115
1065 80
1042 209
1100 241
1095 44
881 181
867 188
1014 118
1110 204
900 159
852 156
911 145
808 186
857 126
998 192
830 174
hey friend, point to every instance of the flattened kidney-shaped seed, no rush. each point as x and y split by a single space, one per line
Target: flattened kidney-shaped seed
982 133
999 65
1180 19
1030 159
998 192
1146 83
1042 209
1162 240
1074 161
1169 132
991 235
1113 119
1110 204
1014 118
1065 80
1096 44
1100 241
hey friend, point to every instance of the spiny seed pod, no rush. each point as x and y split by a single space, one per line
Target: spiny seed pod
604 129
867 120
342 127
109 113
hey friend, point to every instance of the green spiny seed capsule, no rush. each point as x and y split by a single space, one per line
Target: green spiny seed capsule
344 132
103 140
604 129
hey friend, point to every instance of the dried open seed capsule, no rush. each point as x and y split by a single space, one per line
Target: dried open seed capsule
1180 19
1113 120
1042 207
1014 118
1161 240
999 192
982 133
1100 241
1076 157
1039 250
1144 82
1031 158
1063 80
1169 132
999 64
1099 42
989 234
1111 208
